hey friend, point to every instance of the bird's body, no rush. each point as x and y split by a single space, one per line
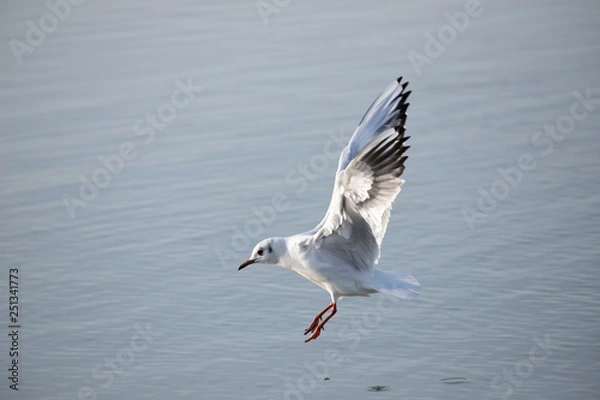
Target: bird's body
339 254
323 267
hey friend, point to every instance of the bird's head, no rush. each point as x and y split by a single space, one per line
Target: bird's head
267 251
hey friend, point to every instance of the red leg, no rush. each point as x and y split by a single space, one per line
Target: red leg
317 319
319 328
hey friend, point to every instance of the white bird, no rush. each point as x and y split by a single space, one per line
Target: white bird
339 254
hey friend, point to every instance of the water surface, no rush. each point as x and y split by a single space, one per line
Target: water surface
510 299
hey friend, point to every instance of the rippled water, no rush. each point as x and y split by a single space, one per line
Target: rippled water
129 288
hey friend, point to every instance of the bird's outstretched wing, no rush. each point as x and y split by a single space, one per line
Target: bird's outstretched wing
367 181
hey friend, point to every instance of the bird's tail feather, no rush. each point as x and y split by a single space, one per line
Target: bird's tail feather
396 283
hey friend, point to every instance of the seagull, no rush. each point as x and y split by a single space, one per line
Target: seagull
341 252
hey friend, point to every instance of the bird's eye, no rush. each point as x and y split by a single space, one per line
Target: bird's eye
260 252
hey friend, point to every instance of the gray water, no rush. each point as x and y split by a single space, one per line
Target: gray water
499 218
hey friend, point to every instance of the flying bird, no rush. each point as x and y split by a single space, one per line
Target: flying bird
341 252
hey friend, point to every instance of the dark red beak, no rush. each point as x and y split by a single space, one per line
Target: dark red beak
246 263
